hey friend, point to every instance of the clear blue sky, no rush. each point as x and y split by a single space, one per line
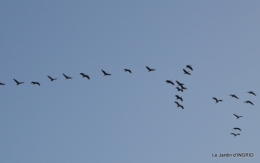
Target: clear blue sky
128 118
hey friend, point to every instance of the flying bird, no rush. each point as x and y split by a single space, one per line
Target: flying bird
235 134
17 82
170 82
127 70
251 92
179 89
179 105
179 83
84 75
249 102
190 67
2 83
150 69
182 87
237 116
232 95
67 77
178 97
186 72
35 83
217 100
105 73
236 128
52 79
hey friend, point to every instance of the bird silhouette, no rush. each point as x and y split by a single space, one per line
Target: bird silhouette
52 79
150 69
190 67
2 83
179 83
252 93
179 89
179 105
233 95
105 73
127 70
182 87
236 128
249 102
170 82
17 82
237 116
217 100
84 75
67 77
186 72
235 134
35 83
178 97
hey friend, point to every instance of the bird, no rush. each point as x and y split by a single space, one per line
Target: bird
233 95
179 105
178 97
35 83
150 69
179 89
190 67
169 81
249 102
236 128
186 72
237 116
127 70
67 77
52 79
2 83
179 83
182 87
217 100
105 73
84 75
235 134
17 82
251 92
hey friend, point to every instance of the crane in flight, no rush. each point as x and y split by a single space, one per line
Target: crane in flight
128 70
235 134
85 75
178 97
186 72
67 77
217 100
150 69
179 105
189 67
169 82
237 116
52 79
35 83
105 73
179 89
252 93
17 82
236 128
233 95
2 83
249 102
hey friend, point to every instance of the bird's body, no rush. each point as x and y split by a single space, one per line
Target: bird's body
17 82
236 128
67 77
52 79
105 73
233 95
190 67
2 83
249 102
127 70
178 97
150 69
217 100
85 75
179 105
37 83
186 72
252 93
235 134
237 116
170 82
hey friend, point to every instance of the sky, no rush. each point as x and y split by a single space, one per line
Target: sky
126 118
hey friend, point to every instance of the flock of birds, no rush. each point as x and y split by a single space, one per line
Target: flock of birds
237 116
